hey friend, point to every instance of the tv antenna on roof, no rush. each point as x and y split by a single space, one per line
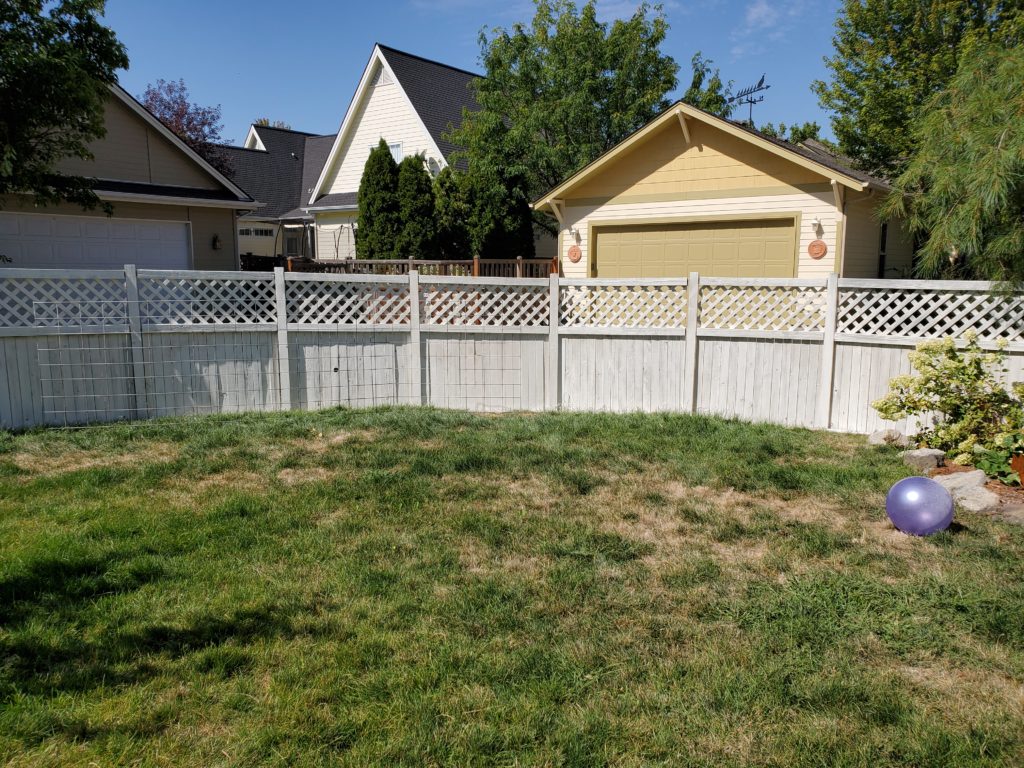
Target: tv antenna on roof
746 96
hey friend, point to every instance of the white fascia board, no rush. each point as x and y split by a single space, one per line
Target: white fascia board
191 202
253 140
347 121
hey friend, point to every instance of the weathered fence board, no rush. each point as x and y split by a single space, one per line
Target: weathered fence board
80 347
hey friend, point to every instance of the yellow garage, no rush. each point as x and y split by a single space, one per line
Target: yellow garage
757 248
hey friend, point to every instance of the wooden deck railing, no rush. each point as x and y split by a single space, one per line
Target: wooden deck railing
463 268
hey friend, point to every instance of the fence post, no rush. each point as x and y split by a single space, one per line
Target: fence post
690 351
284 371
519 266
136 340
416 350
476 266
823 417
553 377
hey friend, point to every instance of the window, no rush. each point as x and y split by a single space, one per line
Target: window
291 246
245 232
255 232
263 233
396 150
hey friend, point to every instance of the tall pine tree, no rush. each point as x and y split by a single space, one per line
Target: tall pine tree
418 231
379 218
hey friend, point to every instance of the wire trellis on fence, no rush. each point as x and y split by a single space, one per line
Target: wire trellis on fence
80 347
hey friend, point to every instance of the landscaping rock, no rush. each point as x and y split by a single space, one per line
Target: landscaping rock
888 437
960 481
1010 513
978 499
923 459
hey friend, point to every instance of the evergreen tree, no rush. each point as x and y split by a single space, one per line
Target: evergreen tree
963 190
418 231
452 217
379 218
891 57
500 224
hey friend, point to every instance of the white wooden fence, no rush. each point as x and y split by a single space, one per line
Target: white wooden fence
78 347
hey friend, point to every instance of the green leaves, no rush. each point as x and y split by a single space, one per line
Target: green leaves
891 57
963 190
562 90
379 217
55 67
418 231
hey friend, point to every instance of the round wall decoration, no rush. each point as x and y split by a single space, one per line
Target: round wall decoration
816 249
575 254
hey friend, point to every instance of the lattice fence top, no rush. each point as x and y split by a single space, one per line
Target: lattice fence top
62 301
926 313
623 306
176 300
762 308
523 306
313 302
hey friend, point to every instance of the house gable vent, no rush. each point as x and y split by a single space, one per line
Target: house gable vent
382 78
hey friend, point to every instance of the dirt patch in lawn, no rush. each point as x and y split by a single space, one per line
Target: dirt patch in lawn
302 475
75 460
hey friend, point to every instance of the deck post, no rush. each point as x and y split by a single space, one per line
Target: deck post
415 346
823 417
553 373
136 339
690 351
519 266
284 371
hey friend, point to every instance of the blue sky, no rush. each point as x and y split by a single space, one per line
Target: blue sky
300 62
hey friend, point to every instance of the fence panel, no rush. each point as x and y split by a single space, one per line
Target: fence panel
79 347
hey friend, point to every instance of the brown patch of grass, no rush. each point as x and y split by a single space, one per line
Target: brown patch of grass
536 490
74 459
297 476
479 559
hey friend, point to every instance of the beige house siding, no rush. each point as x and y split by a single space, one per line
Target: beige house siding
863 237
804 206
134 151
259 246
899 251
204 223
384 113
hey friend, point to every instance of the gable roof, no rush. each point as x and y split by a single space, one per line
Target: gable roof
436 93
235 193
273 174
817 158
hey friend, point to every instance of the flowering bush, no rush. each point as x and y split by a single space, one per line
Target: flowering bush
962 392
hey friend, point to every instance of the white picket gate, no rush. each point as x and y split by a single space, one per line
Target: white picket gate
80 347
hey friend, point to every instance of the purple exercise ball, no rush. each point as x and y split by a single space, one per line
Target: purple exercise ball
919 506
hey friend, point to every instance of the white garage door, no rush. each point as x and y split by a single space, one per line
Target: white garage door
46 241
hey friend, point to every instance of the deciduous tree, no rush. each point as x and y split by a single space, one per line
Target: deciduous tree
559 92
57 61
196 125
707 91
891 57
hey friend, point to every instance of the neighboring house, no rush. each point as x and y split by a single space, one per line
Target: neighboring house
278 166
408 101
172 209
692 192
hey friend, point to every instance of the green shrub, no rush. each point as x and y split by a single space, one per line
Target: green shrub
379 217
995 460
961 389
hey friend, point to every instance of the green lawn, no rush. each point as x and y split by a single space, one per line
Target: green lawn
417 588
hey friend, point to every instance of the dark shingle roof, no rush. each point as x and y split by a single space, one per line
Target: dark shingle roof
274 176
336 200
163 190
317 150
438 92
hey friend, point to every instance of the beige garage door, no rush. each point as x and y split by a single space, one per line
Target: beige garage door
715 249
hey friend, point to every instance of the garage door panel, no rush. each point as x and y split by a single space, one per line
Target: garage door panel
38 241
756 248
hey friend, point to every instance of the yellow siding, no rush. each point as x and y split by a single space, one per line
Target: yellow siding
384 113
863 237
335 240
131 150
712 162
